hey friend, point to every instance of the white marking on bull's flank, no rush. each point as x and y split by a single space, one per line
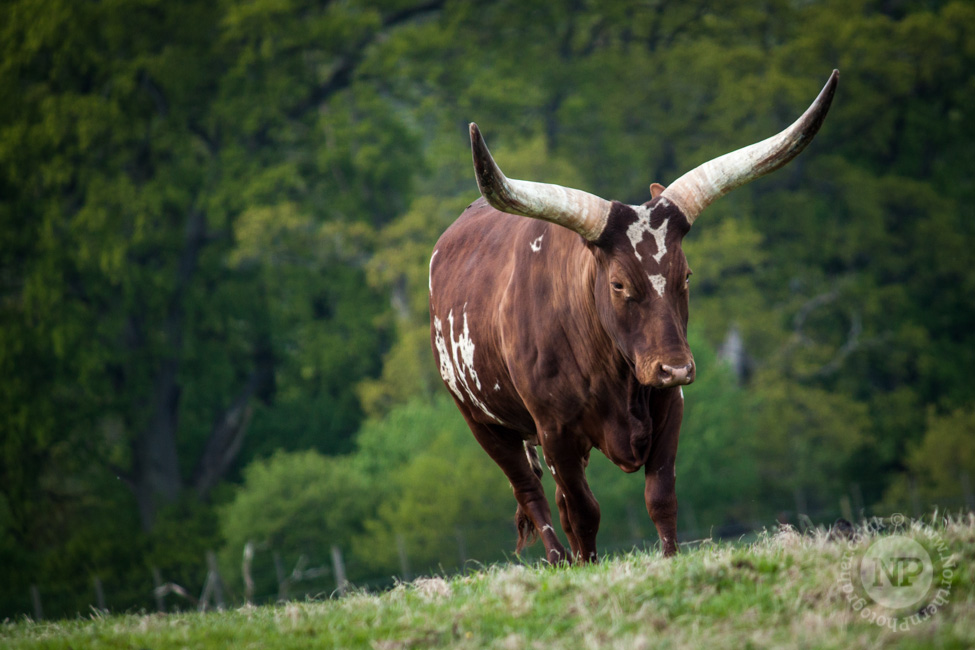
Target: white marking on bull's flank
465 346
659 283
497 386
430 278
443 356
639 228
457 362
537 244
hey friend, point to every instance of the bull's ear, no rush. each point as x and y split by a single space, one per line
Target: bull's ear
656 189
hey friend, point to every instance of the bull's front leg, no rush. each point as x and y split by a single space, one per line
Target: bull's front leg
578 508
661 498
667 407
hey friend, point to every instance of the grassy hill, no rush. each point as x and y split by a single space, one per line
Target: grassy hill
784 590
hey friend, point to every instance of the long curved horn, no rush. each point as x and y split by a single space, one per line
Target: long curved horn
580 211
699 187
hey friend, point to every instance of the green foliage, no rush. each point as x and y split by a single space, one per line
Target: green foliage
449 488
434 483
940 466
294 504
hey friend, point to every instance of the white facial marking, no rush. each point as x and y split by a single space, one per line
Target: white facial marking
457 362
430 279
659 283
639 229
537 244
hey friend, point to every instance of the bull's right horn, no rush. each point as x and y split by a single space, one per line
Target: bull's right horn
699 187
580 211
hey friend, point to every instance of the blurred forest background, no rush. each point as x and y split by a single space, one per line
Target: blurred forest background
215 223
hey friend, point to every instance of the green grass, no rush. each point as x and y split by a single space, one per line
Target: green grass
783 590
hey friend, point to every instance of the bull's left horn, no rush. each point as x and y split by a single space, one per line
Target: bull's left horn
699 187
580 211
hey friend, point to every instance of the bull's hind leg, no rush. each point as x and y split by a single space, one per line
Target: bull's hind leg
507 449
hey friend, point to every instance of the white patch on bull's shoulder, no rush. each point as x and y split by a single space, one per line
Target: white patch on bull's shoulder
639 228
659 283
430 278
457 362
497 386
537 244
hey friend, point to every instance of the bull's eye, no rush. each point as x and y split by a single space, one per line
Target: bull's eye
687 280
617 286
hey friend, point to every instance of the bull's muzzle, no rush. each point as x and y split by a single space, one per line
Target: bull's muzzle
665 375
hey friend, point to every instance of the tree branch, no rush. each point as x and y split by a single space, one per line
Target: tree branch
227 434
341 76
852 344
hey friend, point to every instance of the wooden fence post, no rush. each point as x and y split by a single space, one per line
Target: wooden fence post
404 561
282 578
35 599
213 589
246 570
338 566
99 595
158 590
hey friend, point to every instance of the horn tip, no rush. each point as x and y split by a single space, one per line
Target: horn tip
833 79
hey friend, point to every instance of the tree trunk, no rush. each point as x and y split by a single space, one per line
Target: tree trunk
155 478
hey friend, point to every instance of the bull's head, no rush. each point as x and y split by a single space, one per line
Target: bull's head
641 275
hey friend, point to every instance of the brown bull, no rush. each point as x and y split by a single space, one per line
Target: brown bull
568 330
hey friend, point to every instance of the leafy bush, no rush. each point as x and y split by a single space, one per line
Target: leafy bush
294 505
